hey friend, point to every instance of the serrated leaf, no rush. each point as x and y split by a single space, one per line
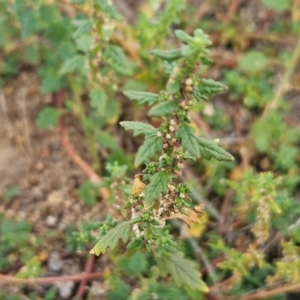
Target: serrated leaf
84 43
83 27
168 55
111 238
189 215
157 185
109 10
98 100
139 128
142 97
151 146
165 108
188 155
134 264
211 149
182 271
173 87
47 117
207 88
115 57
75 63
188 139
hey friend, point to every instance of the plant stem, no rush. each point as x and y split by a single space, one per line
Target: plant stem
91 144
285 80
44 280
199 252
69 149
273 292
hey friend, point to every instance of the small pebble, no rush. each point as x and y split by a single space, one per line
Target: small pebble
209 110
65 289
39 166
55 263
51 221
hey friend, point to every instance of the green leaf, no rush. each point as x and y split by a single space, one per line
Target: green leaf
135 85
135 243
106 141
142 97
109 10
11 192
139 128
88 193
47 117
167 292
168 55
76 63
207 88
98 100
277 5
182 36
134 264
83 27
207 61
84 43
116 170
158 184
173 87
182 271
286 157
165 108
201 38
50 83
29 23
120 291
187 51
253 61
262 137
115 57
188 139
211 149
111 238
50 294
187 155
151 146
78 1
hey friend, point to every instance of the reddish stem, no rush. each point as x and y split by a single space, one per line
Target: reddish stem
94 177
234 6
224 212
88 269
237 121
